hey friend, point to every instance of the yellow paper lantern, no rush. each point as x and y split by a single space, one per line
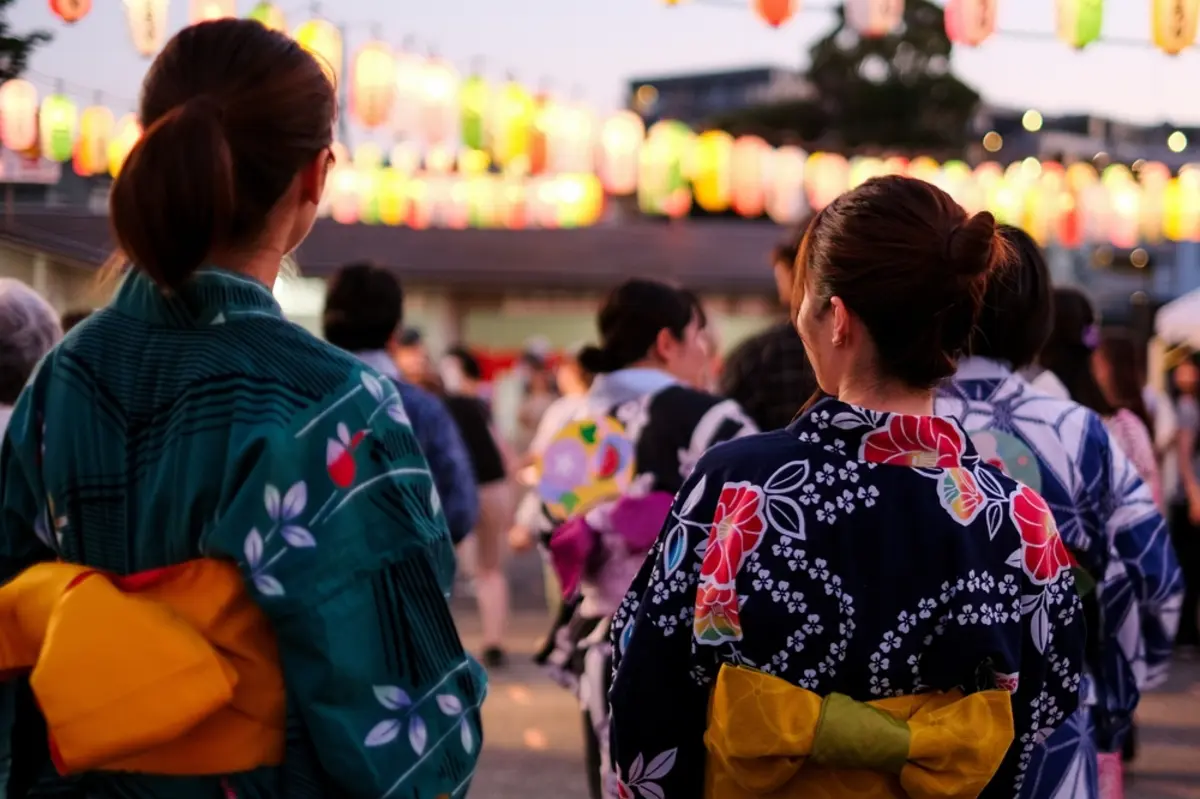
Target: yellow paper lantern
147 24
59 126
393 197
410 94
826 176
368 156
127 134
710 170
439 103
1174 24
749 174
1125 225
620 141
785 186
475 97
865 168
373 87
205 10
18 115
323 39
96 128
473 162
270 16
874 18
513 125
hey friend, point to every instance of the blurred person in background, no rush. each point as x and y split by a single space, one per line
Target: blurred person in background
609 476
29 328
1185 507
537 395
412 359
1106 515
238 540
483 553
769 374
72 318
364 307
852 558
1115 368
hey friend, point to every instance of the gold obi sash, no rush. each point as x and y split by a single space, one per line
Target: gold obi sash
768 739
173 671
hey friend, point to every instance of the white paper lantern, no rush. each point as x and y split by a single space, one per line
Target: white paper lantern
786 203
874 18
147 24
205 10
19 115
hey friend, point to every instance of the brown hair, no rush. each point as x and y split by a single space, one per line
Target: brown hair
232 112
908 261
1124 358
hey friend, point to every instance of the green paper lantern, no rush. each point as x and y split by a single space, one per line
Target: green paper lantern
59 125
1079 21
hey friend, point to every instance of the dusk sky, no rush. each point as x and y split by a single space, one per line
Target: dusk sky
594 45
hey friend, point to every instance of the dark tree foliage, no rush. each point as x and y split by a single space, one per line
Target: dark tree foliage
16 48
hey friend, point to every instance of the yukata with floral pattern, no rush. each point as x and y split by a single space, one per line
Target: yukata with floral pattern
869 554
1109 519
204 425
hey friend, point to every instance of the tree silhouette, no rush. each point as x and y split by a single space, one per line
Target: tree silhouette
16 48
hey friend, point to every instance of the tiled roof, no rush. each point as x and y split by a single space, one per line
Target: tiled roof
717 256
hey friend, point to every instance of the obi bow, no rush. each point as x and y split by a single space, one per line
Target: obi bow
768 738
168 672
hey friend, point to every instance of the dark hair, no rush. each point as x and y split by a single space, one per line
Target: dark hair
1068 351
410 336
633 315
785 252
232 112
1183 355
1124 364
1018 311
469 363
697 307
908 261
364 304
72 318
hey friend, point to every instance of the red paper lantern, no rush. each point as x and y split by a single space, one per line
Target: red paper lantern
71 11
776 12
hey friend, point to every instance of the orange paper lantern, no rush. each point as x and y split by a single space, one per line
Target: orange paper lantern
748 170
1174 23
620 141
373 88
96 127
71 11
775 12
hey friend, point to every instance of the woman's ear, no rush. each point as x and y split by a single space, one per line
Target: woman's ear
312 177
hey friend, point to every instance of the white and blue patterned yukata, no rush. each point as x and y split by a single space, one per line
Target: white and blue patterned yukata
1108 517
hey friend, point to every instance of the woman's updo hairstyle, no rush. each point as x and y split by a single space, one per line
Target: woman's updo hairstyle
911 264
232 112
633 315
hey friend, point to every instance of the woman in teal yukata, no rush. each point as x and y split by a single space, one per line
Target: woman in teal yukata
190 422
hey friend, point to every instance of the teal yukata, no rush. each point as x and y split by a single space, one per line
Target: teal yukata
203 424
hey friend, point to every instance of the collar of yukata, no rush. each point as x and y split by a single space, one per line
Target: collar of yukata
211 296
894 439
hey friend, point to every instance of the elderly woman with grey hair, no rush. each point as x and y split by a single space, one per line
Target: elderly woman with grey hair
29 328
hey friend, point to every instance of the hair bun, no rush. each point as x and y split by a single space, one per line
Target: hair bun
975 246
596 360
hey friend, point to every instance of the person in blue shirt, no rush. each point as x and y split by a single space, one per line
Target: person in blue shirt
364 307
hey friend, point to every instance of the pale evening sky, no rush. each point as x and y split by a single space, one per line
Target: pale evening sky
594 45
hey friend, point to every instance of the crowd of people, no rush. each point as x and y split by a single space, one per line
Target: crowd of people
910 541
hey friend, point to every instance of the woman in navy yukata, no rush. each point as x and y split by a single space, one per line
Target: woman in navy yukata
253 497
863 568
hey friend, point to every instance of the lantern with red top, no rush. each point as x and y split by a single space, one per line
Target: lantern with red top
70 11
776 12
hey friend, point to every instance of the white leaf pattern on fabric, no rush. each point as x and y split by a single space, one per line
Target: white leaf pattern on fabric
418 734
694 497
397 413
635 770
787 478
995 518
383 733
294 501
253 548
449 704
373 386
435 501
1039 628
268 585
785 517
391 697
1014 560
661 766
272 500
343 434
298 537
468 738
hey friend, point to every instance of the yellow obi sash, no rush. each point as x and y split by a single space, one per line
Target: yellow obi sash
768 739
173 671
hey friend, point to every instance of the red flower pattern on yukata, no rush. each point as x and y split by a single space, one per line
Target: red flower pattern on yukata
1043 553
737 529
718 617
339 456
918 441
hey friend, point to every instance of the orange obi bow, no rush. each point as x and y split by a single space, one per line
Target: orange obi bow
173 671
768 738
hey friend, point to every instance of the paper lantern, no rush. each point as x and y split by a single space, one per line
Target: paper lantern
147 24
970 22
874 18
662 182
1174 24
96 127
475 97
1079 21
393 197
406 158
323 39
826 176
373 86
127 134
205 10
18 115
545 119
59 124
342 188
620 140
775 12
709 170
71 11
572 141
439 103
748 169
270 15
368 156
512 129
410 93
785 186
